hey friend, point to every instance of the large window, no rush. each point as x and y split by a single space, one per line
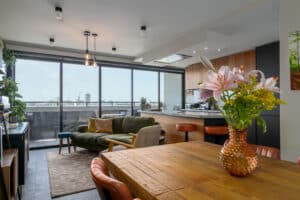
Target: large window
116 92
170 91
122 92
145 90
80 95
38 83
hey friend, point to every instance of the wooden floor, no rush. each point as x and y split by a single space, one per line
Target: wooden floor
37 180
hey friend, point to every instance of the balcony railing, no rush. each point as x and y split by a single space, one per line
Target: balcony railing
44 117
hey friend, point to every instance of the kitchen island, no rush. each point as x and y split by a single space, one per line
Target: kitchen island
168 121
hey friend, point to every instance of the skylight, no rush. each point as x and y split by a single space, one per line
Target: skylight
173 58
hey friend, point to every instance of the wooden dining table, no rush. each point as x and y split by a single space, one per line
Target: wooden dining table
192 171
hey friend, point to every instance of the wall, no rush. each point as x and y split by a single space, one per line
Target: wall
197 72
289 16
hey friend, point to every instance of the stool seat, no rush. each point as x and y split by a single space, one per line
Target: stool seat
65 134
61 136
216 130
186 127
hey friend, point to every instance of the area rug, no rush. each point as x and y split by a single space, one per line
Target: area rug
70 173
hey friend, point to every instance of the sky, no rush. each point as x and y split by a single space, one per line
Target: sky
39 81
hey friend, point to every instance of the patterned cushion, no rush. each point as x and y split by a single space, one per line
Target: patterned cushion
103 125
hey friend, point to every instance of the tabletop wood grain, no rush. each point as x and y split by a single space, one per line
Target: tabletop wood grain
192 171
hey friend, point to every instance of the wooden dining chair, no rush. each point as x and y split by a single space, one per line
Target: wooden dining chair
108 188
147 136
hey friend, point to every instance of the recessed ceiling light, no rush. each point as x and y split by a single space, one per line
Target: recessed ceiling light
194 52
51 41
143 31
173 58
114 49
219 49
205 48
59 12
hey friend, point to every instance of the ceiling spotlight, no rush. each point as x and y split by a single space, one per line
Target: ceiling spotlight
51 41
219 49
143 31
59 12
205 48
194 52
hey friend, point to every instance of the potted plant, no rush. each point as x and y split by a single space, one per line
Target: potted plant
9 88
241 98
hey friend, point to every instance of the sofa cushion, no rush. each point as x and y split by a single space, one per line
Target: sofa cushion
87 138
91 125
103 125
117 125
134 124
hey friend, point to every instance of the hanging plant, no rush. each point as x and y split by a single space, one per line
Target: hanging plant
9 58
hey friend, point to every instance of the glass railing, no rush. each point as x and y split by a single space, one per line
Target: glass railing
44 117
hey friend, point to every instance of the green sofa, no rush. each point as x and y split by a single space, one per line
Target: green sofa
121 127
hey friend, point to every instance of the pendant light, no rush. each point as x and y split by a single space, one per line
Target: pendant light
87 54
94 60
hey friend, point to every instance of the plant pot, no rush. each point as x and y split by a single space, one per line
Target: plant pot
13 118
236 156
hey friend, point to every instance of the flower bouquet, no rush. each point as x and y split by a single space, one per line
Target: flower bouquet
241 97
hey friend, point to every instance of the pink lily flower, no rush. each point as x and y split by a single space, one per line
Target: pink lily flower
220 81
205 94
268 84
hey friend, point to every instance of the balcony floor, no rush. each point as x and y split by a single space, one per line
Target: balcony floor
43 143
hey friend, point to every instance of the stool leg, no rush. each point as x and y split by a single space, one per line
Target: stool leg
186 136
60 145
69 146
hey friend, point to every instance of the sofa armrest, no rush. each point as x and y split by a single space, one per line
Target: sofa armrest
82 128
115 142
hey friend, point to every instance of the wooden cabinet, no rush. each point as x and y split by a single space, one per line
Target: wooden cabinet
19 138
197 72
267 59
10 172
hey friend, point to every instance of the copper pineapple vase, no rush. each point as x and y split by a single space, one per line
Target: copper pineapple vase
236 156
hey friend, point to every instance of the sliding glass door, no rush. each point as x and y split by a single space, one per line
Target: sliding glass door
116 92
145 90
62 96
38 83
80 95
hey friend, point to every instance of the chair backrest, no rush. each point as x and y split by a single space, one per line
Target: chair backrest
148 136
108 188
270 152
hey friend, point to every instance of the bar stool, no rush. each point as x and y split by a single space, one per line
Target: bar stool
216 134
186 128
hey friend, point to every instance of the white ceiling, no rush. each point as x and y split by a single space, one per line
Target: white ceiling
173 25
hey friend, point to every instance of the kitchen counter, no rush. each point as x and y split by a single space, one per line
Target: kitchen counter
200 118
189 113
